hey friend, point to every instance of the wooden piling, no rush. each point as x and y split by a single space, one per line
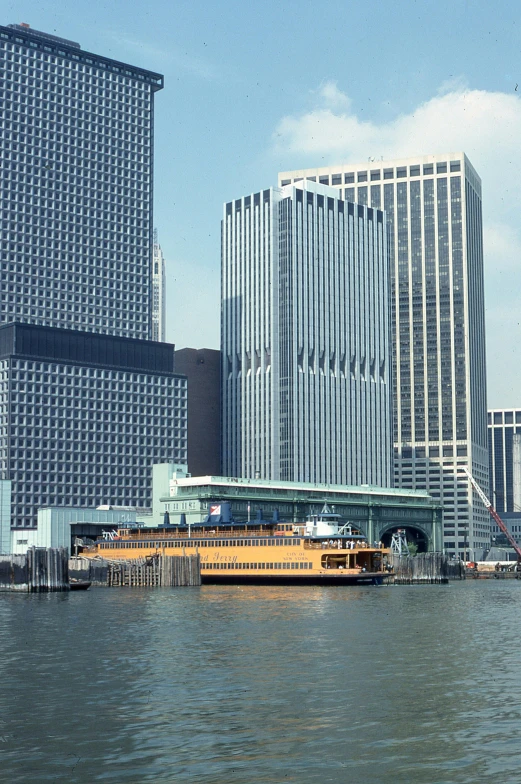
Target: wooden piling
153 572
39 570
425 568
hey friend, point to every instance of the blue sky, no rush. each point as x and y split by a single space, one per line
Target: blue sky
252 89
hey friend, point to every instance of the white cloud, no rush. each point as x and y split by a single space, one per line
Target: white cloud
487 127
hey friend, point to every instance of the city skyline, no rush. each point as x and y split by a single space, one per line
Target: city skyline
296 101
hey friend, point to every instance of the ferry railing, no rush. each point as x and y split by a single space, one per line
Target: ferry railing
324 544
162 535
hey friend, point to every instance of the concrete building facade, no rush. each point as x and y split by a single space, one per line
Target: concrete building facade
433 209
305 338
76 186
83 418
87 402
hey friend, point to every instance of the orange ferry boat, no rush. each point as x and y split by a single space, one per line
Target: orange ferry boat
322 550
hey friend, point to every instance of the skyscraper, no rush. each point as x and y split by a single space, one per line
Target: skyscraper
433 208
158 291
87 403
504 439
305 338
75 187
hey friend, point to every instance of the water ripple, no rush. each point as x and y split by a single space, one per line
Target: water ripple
262 685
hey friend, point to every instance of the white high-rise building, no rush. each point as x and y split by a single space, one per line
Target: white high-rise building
158 291
305 338
433 209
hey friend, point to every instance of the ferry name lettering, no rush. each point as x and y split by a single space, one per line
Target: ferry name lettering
225 558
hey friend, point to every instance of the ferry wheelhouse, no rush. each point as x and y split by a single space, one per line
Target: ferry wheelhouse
323 550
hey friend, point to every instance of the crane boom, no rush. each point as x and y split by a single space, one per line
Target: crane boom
493 513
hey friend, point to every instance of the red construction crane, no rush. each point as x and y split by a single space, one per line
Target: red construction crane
497 518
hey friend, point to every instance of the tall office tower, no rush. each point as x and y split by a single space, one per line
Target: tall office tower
84 417
87 403
433 208
158 291
305 338
504 441
75 186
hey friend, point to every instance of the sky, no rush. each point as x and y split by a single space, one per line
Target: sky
252 89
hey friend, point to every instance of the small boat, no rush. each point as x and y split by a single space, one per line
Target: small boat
79 585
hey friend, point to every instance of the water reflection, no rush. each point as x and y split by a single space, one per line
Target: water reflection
262 684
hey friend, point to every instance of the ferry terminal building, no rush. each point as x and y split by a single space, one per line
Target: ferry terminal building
377 512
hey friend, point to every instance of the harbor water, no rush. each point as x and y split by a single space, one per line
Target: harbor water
222 684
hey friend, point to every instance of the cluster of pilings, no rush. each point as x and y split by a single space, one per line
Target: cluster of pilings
156 571
425 568
152 572
39 570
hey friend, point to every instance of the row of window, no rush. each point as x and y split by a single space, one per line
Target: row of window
257 566
376 174
243 542
59 60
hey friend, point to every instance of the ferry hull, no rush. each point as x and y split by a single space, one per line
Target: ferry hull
367 578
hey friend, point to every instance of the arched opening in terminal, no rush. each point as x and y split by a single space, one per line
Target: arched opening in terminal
414 536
